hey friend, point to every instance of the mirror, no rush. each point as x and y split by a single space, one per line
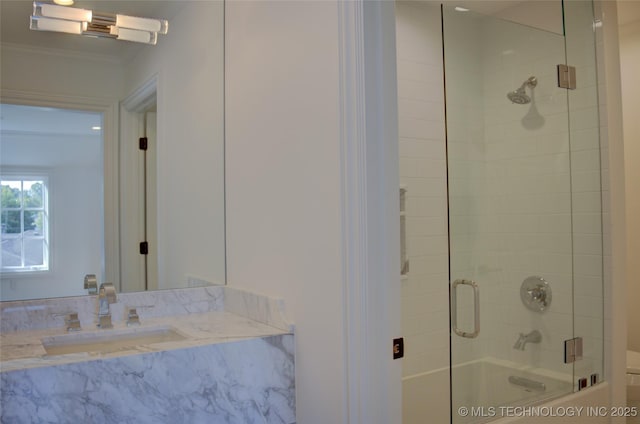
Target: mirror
171 93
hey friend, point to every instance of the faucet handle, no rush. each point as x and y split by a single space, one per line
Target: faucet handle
133 318
104 321
73 323
91 283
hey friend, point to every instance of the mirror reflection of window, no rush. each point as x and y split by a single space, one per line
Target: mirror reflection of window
24 215
51 167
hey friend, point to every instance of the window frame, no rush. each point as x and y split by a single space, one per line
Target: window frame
22 175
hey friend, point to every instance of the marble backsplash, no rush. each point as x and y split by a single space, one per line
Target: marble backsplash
51 313
264 309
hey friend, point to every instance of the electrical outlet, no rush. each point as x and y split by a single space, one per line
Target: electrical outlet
398 348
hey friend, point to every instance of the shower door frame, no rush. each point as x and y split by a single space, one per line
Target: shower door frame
599 371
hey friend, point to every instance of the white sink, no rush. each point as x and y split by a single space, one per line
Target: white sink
107 341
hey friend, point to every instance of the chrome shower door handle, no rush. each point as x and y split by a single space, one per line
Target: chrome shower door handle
476 308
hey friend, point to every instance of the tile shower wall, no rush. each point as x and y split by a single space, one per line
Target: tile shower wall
425 313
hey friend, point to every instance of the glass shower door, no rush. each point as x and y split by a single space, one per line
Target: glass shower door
510 217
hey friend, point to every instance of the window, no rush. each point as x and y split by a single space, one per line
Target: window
25 223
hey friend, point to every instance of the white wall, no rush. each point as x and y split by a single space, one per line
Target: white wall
60 72
630 69
283 182
188 63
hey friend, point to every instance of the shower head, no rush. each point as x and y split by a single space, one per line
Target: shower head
520 96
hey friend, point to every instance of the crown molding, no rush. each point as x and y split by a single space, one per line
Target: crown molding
37 98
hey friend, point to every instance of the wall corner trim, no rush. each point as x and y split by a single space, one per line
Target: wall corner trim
370 181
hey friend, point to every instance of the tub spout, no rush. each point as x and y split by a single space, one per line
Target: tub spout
533 337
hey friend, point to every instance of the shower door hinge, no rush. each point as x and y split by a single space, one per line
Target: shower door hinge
572 350
143 143
567 77
144 248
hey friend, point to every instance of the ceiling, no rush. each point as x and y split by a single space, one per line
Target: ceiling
47 120
628 11
14 26
48 137
485 7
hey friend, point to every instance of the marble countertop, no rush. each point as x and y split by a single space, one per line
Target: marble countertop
24 349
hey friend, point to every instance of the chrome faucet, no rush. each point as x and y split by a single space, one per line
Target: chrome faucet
106 296
533 337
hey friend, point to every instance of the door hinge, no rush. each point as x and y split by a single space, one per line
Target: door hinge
567 77
143 143
572 350
398 348
144 248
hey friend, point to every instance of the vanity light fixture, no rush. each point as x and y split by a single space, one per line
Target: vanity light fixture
51 17
57 25
48 10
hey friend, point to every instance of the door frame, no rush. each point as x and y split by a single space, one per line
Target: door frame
132 126
370 216
109 109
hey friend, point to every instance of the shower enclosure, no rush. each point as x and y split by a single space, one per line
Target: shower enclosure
524 209
524 206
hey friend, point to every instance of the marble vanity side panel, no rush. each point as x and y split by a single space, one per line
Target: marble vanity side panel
264 309
232 383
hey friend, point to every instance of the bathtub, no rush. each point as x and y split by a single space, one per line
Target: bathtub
480 384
